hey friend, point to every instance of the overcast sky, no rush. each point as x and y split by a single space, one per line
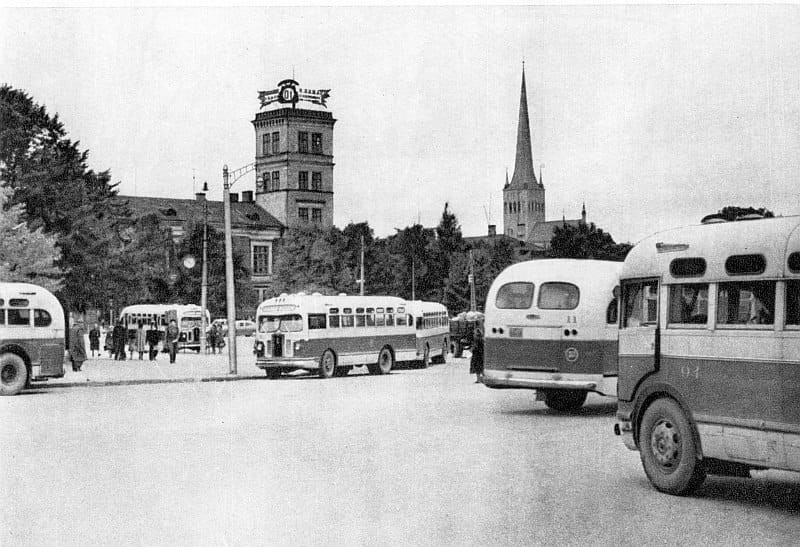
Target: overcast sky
653 116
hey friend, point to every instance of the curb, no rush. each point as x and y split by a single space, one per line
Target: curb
145 381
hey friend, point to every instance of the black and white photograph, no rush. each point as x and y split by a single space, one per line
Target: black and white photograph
399 274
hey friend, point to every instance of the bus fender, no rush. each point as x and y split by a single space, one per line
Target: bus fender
19 351
647 392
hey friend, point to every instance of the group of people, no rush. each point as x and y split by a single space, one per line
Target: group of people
145 339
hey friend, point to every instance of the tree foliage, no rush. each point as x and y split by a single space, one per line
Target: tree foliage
585 241
733 212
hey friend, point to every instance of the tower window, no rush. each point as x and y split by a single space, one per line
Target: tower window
316 215
263 184
302 180
265 144
302 214
276 180
316 143
276 141
302 142
316 181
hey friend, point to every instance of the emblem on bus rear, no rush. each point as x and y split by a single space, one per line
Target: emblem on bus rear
571 355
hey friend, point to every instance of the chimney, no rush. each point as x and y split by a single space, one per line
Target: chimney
200 196
234 197
247 196
492 230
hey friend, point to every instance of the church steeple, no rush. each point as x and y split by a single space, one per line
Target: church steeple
524 175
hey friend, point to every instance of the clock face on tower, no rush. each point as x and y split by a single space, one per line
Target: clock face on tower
288 94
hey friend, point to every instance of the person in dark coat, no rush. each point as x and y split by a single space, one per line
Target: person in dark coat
94 340
109 342
152 340
77 345
476 363
171 339
120 334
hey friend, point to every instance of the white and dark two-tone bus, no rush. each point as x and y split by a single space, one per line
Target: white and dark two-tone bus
551 325
432 331
709 351
32 337
187 316
333 334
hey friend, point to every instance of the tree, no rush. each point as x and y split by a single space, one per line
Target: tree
585 241
414 246
25 255
732 212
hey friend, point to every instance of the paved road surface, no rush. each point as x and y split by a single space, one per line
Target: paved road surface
416 457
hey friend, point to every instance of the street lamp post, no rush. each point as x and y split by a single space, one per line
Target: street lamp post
229 291
204 277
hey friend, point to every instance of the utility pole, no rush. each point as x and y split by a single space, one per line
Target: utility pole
361 280
413 279
230 296
472 301
204 276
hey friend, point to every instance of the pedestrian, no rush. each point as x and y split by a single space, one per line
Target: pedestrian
171 336
94 340
77 345
476 363
109 342
119 334
213 338
152 340
140 342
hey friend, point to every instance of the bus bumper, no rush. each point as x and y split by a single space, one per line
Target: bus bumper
304 363
506 379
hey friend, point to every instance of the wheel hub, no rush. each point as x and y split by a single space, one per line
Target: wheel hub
8 374
666 444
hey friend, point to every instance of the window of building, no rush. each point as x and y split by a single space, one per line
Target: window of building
316 143
515 296
276 142
263 183
316 215
261 260
558 296
302 180
302 214
276 180
265 147
316 181
302 142
746 303
688 303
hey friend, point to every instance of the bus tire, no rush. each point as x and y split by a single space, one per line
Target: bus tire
564 400
13 374
385 362
327 364
273 373
457 349
668 450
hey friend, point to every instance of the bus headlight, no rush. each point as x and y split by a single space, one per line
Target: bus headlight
298 346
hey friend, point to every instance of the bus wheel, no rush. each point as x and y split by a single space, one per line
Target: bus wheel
13 374
564 400
668 450
273 373
385 362
457 350
327 364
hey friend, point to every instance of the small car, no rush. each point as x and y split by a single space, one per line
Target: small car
245 327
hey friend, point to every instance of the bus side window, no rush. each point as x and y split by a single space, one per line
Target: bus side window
333 321
746 303
19 316
792 302
2 315
41 318
640 303
401 320
316 321
688 303
611 312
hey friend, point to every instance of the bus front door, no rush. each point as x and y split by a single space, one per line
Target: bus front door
638 336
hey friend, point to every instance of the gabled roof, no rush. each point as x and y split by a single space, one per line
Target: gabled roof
542 232
244 215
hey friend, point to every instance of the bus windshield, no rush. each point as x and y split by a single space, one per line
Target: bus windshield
283 323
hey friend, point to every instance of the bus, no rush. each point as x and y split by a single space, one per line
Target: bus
551 326
187 316
709 351
332 334
432 331
32 336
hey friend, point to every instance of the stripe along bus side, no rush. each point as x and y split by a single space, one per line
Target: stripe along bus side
710 351
551 325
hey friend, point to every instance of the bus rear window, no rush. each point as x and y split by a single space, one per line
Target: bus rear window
688 303
558 296
515 296
746 303
41 318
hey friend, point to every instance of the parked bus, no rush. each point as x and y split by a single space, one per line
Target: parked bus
32 337
187 316
333 334
551 325
432 331
709 351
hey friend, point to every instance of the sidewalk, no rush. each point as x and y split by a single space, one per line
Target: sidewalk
188 367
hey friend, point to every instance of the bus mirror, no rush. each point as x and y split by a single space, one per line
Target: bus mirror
615 292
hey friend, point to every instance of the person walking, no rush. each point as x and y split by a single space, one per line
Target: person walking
476 362
171 339
140 342
77 345
213 338
152 340
119 334
94 340
108 344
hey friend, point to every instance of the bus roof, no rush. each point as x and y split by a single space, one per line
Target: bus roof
157 308
317 303
773 238
27 290
578 271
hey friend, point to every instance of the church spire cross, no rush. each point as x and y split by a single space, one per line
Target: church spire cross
524 175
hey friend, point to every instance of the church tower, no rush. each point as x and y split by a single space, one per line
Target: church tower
523 197
294 157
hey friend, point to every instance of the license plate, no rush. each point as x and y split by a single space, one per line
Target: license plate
515 332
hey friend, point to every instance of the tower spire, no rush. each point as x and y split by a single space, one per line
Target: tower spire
524 175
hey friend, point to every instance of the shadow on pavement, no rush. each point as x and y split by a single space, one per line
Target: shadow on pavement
587 411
